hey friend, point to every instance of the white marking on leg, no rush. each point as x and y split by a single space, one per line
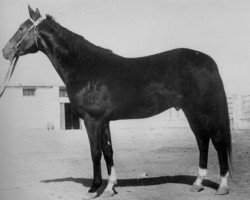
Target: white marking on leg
224 179
202 174
112 179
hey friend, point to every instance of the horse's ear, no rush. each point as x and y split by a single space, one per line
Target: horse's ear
34 14
31 12
38 12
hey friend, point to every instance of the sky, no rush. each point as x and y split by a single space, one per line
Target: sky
133 28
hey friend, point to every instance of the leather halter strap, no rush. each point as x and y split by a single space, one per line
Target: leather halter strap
33 26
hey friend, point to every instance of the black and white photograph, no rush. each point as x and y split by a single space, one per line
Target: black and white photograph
125 100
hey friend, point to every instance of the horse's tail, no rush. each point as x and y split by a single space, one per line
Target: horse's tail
224 126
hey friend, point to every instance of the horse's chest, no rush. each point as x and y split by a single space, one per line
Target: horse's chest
91 98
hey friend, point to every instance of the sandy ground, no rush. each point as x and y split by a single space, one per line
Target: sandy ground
38 165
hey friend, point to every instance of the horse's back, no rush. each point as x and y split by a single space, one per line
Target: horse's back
149 85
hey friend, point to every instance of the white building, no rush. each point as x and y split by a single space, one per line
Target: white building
38 106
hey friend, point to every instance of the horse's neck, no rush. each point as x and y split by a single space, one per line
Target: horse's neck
51 46
47 49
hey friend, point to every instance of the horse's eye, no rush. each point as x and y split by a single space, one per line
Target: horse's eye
21 28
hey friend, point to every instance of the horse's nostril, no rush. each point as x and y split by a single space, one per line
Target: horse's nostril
4 53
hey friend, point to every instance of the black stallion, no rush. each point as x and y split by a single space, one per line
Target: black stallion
103 86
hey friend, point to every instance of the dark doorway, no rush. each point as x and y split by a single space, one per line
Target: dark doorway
71 119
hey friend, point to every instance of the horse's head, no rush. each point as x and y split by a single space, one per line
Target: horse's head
24 41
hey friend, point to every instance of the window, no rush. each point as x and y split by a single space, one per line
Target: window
29 91
63 92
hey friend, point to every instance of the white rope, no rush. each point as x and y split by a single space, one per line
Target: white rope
8 75
35 23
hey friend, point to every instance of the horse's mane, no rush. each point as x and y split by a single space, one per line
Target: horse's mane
75 42
50 18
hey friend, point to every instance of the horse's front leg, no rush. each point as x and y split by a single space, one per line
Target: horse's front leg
94 130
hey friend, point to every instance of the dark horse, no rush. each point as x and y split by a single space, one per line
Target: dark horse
103 86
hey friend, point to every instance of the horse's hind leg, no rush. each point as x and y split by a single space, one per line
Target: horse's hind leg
221 139
221 148
108 156
202 138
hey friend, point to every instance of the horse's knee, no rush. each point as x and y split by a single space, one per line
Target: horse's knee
107 151
96 154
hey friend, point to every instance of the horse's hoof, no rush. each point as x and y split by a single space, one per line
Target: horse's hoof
196 188
90 195
94 188
108 193
222 191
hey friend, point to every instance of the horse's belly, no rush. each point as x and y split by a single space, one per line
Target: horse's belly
148 109
149 104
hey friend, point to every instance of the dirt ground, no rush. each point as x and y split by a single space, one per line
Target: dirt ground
39 165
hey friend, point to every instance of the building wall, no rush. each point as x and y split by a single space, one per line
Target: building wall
29 112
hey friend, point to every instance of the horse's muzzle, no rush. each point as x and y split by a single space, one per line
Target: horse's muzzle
7 54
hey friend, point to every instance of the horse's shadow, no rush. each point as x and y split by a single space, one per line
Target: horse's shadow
179 179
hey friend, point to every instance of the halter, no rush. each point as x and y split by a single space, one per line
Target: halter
14 49
34 25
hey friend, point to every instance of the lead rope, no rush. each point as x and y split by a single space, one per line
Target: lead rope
8 76
14 61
